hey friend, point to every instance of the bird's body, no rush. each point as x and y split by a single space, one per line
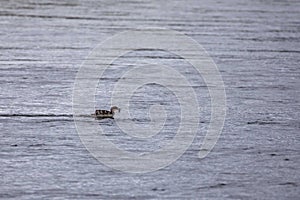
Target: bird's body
100 114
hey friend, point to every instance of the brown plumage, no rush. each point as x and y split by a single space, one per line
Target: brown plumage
106 114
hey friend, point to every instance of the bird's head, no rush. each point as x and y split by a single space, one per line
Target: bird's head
114 109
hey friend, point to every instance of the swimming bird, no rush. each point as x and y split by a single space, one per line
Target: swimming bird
100 114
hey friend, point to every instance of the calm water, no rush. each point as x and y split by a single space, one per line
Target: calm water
256 47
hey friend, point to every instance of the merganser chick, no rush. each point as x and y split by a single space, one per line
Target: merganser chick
106 113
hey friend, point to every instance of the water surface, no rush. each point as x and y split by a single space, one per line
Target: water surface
256 47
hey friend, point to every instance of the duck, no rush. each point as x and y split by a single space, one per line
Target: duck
101 114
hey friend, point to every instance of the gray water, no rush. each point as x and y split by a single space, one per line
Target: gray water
256 47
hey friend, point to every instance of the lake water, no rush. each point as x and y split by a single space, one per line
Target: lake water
255 45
